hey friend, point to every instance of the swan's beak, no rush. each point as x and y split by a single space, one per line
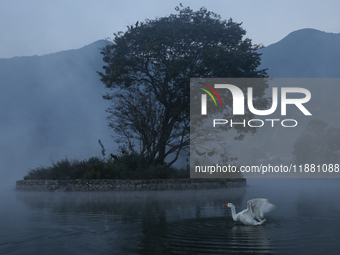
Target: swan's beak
226 205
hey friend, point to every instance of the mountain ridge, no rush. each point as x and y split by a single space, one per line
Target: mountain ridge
96 44
305 53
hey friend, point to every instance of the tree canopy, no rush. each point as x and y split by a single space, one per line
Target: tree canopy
149 67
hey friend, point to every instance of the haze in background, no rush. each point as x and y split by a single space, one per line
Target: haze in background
51 108
52 105
39 27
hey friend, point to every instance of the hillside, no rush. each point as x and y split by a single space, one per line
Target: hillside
306 53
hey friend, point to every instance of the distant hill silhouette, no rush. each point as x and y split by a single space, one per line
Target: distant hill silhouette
306 53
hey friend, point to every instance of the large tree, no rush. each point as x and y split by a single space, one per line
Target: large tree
149 69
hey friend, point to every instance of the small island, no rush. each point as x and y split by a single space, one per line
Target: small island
124 172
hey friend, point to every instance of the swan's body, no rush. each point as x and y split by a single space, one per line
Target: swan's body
253 215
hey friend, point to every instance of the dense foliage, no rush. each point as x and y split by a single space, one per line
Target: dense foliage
149 69
129 166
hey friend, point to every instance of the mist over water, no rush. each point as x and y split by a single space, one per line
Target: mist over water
173 222
52 108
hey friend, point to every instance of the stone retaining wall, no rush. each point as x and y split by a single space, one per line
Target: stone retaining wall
107 185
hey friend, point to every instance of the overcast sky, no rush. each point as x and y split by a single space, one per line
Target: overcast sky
37 27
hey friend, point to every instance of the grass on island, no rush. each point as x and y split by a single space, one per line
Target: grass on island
128 166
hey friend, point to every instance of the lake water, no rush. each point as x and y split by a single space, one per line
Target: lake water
306 221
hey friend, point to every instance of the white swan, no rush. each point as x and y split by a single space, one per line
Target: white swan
253 215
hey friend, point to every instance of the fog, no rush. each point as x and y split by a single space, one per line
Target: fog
165 222
51 108
52 105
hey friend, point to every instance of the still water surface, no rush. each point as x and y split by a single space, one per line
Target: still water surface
306 221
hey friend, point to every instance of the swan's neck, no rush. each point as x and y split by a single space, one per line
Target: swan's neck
233 213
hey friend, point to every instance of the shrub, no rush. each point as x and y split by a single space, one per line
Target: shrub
126 166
